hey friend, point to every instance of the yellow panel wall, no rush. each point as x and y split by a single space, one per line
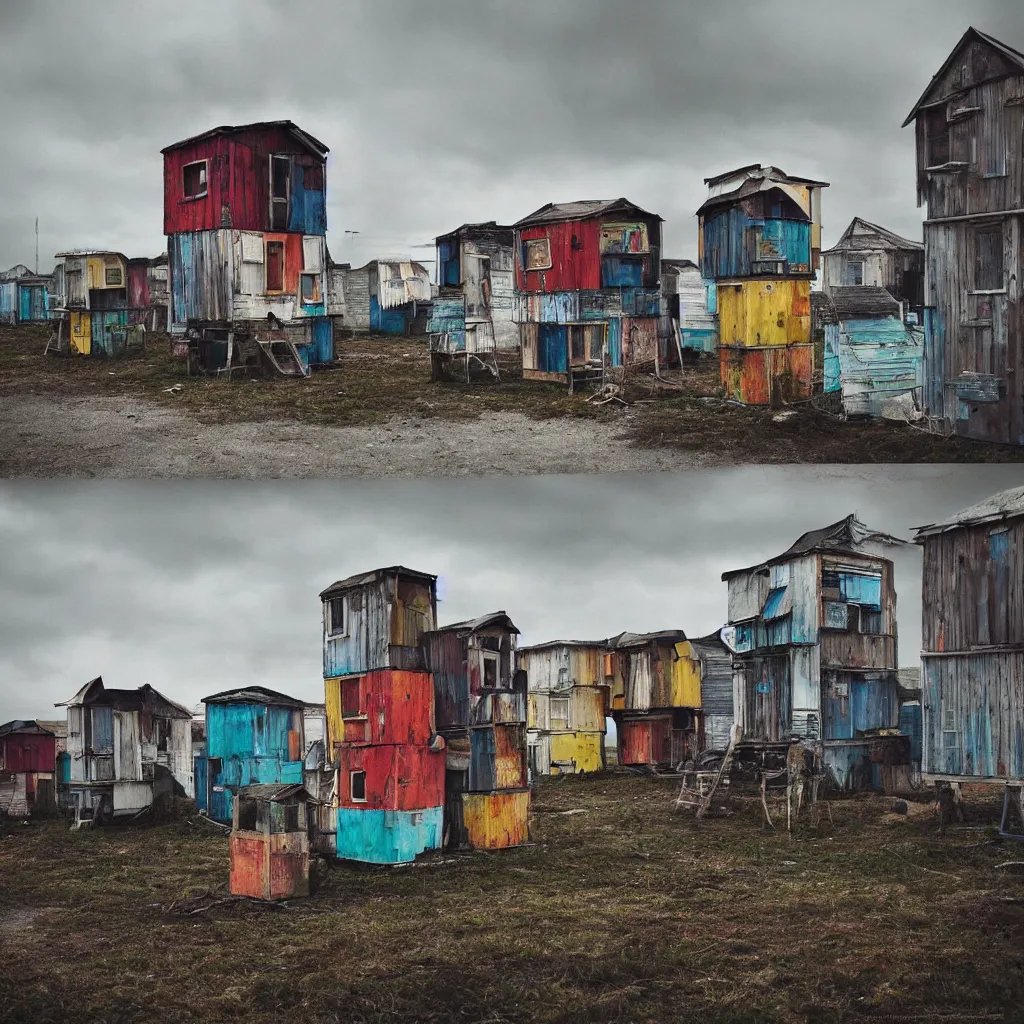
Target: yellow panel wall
584 748
335 725
496 821
685 679
81 333
761 313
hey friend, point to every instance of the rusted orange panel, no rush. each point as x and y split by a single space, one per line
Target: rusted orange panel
289 866
248 866
635 743
756 376
496 821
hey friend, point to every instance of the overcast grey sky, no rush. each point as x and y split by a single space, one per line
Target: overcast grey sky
200 587
439 113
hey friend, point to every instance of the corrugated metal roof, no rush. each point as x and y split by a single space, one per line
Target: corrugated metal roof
863 302
88 252
312 144
483 622
582 209
642 639
483 227
1014 56
145 698
375 576
254 695
563 643
678 264
848 535
1005 505
25 726
751 187
886 239
58 728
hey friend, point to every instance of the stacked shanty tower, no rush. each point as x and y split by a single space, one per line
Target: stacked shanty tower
760 241
380 715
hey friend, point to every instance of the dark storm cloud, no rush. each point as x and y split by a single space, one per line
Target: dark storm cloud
468 109
202 587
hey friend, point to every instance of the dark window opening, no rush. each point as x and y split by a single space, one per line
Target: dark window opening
310 289
248 815
350 698
163 734
275 266
490 673
577 344
336 616
194 179
597 340
291 817
988 259
937 137
358 786
854 274
280 176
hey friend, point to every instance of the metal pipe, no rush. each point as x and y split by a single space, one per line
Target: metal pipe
976 216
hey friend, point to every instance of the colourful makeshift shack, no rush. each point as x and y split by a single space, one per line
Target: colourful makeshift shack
390 789
970 176
269 843
93 302
972 677
760 242
873 358
588 289
28 765
126 747
254 736
872 256
245 215
480 709
387 296
656 698
713 661
813 639
476 281
569 703
689 311
25 297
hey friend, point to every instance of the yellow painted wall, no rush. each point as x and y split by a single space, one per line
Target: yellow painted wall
764 313
81 333
335 726
582 747
586 710
96 271
685 679
496 821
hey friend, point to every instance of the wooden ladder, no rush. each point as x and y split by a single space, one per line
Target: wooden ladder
723 772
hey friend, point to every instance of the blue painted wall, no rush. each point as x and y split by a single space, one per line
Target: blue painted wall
386 321
252 742
832 369
911 724
552 348
8 301
388 837
619 272
307 210
870 704
199 769
33 303
731 241
323 341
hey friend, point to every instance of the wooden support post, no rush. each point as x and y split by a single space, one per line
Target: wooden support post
734 737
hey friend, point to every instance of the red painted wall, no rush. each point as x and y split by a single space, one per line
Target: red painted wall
238 176
398 707
138 286
645 742
28 753
571 269
398 777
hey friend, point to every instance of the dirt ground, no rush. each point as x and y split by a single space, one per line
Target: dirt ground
379 414
628 911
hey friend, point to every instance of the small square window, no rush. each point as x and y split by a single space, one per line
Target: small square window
113 277
291 817
336 616
537 254
853 274
357 782
194 179
248 815
310 284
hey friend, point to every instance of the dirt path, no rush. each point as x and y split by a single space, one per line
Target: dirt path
129 438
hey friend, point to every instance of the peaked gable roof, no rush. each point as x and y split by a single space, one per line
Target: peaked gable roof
886 239
1015 58
375 576
145 698
848 536
315 146
583 209
999 507
498 619
254 695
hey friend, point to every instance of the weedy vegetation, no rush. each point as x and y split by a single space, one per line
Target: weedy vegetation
629 911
